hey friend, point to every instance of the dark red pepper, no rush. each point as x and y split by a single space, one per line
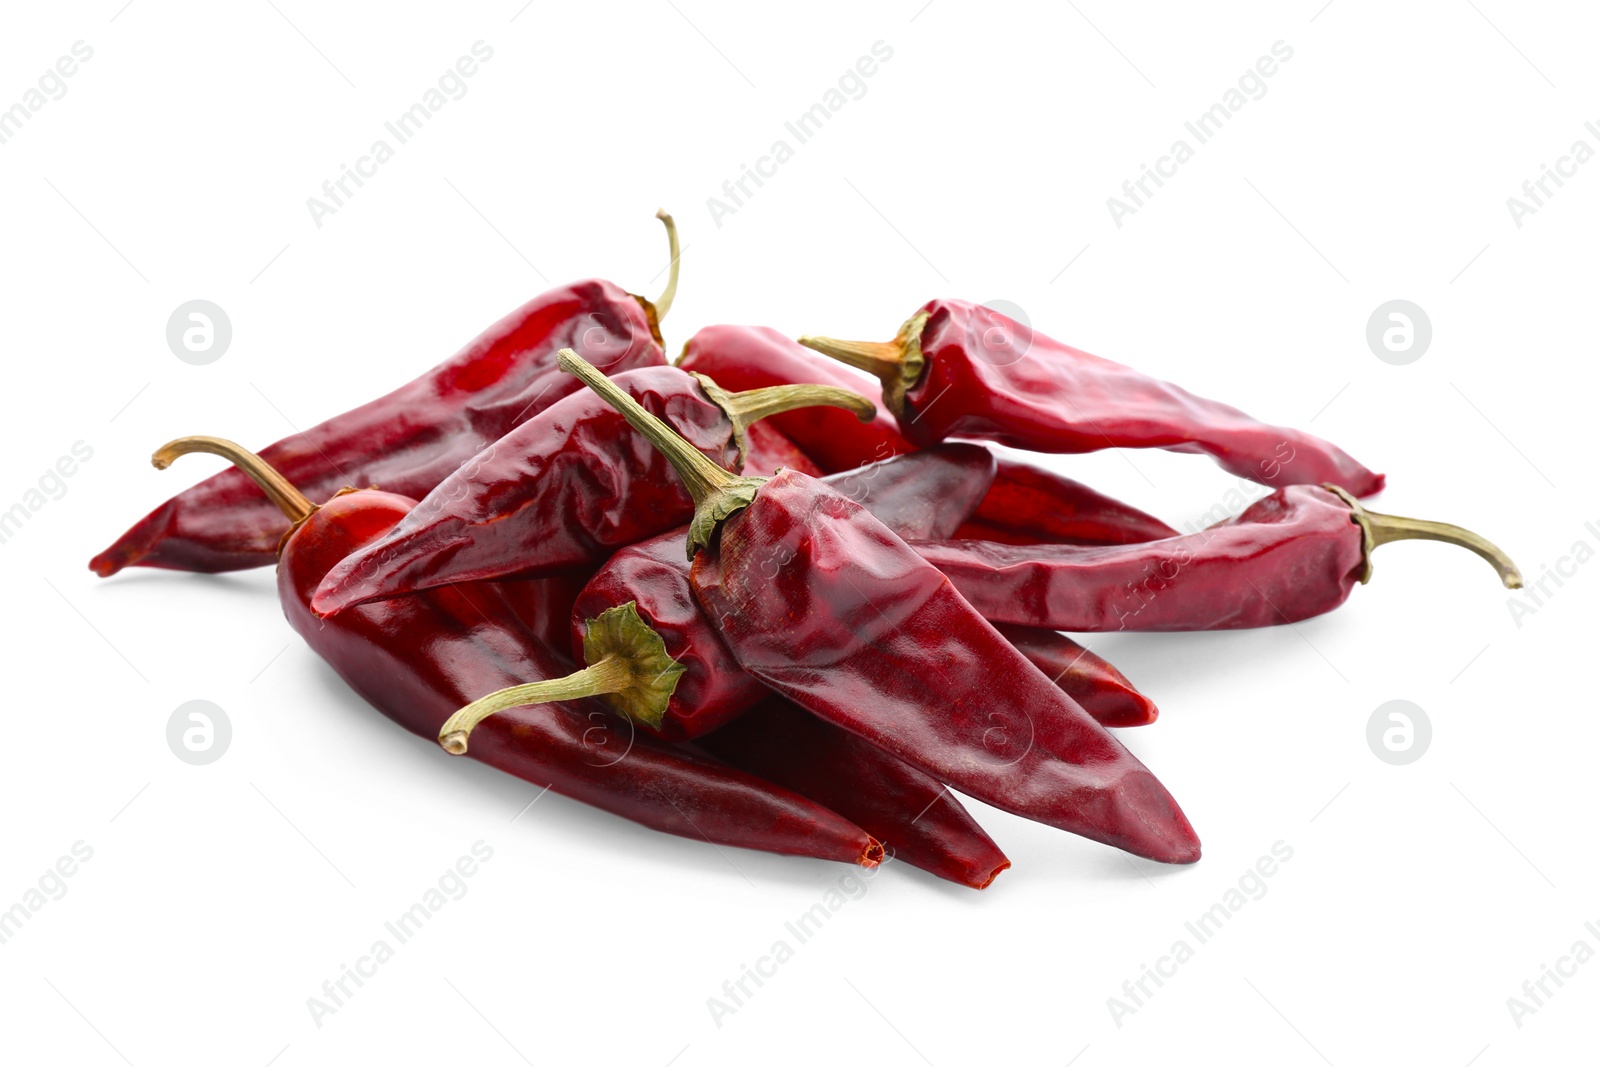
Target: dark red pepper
859 631
1025 504
1104 691
918 820
563 490
962 369
418 659
919 495
767 450
1289 556
408 441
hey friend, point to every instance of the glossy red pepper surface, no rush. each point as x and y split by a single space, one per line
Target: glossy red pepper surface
919 495
1289 556
918 820
562 490
406 442
1024 503
963 369
417 659
1104 691
861 632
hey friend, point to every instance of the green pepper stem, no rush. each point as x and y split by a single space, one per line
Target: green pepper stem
753 405
289 500
1379 529
716 493
629 669
610 675
897 364
663 303
884 360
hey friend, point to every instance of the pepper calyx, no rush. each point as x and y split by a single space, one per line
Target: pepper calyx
898 364
1380 529
618 633
753 405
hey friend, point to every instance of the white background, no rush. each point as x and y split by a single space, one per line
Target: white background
978 163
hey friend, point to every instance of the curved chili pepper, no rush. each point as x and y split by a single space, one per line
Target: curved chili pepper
1029 506
962 369
917 495
1104 691
410 440
1289 556
1033 505
861 632
417 659
562 490
916 818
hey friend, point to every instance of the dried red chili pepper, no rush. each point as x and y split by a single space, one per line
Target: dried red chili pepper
1025 504
923 494
962 369
562 490
859 631
768 450
1289 556
409 440
916 818
417 659
1104 691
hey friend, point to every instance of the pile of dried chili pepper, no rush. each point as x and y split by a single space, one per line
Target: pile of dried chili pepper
737 600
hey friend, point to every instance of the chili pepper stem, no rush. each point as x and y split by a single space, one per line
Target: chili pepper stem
629 669
1379 529
897 364
753 405
289 500
663 303
716 493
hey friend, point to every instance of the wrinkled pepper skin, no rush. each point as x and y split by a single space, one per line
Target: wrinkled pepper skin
1104 691
406 442
766 450
562 490
916 495
998 380
856 628
1290 556
916 818
1030 505
419 658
